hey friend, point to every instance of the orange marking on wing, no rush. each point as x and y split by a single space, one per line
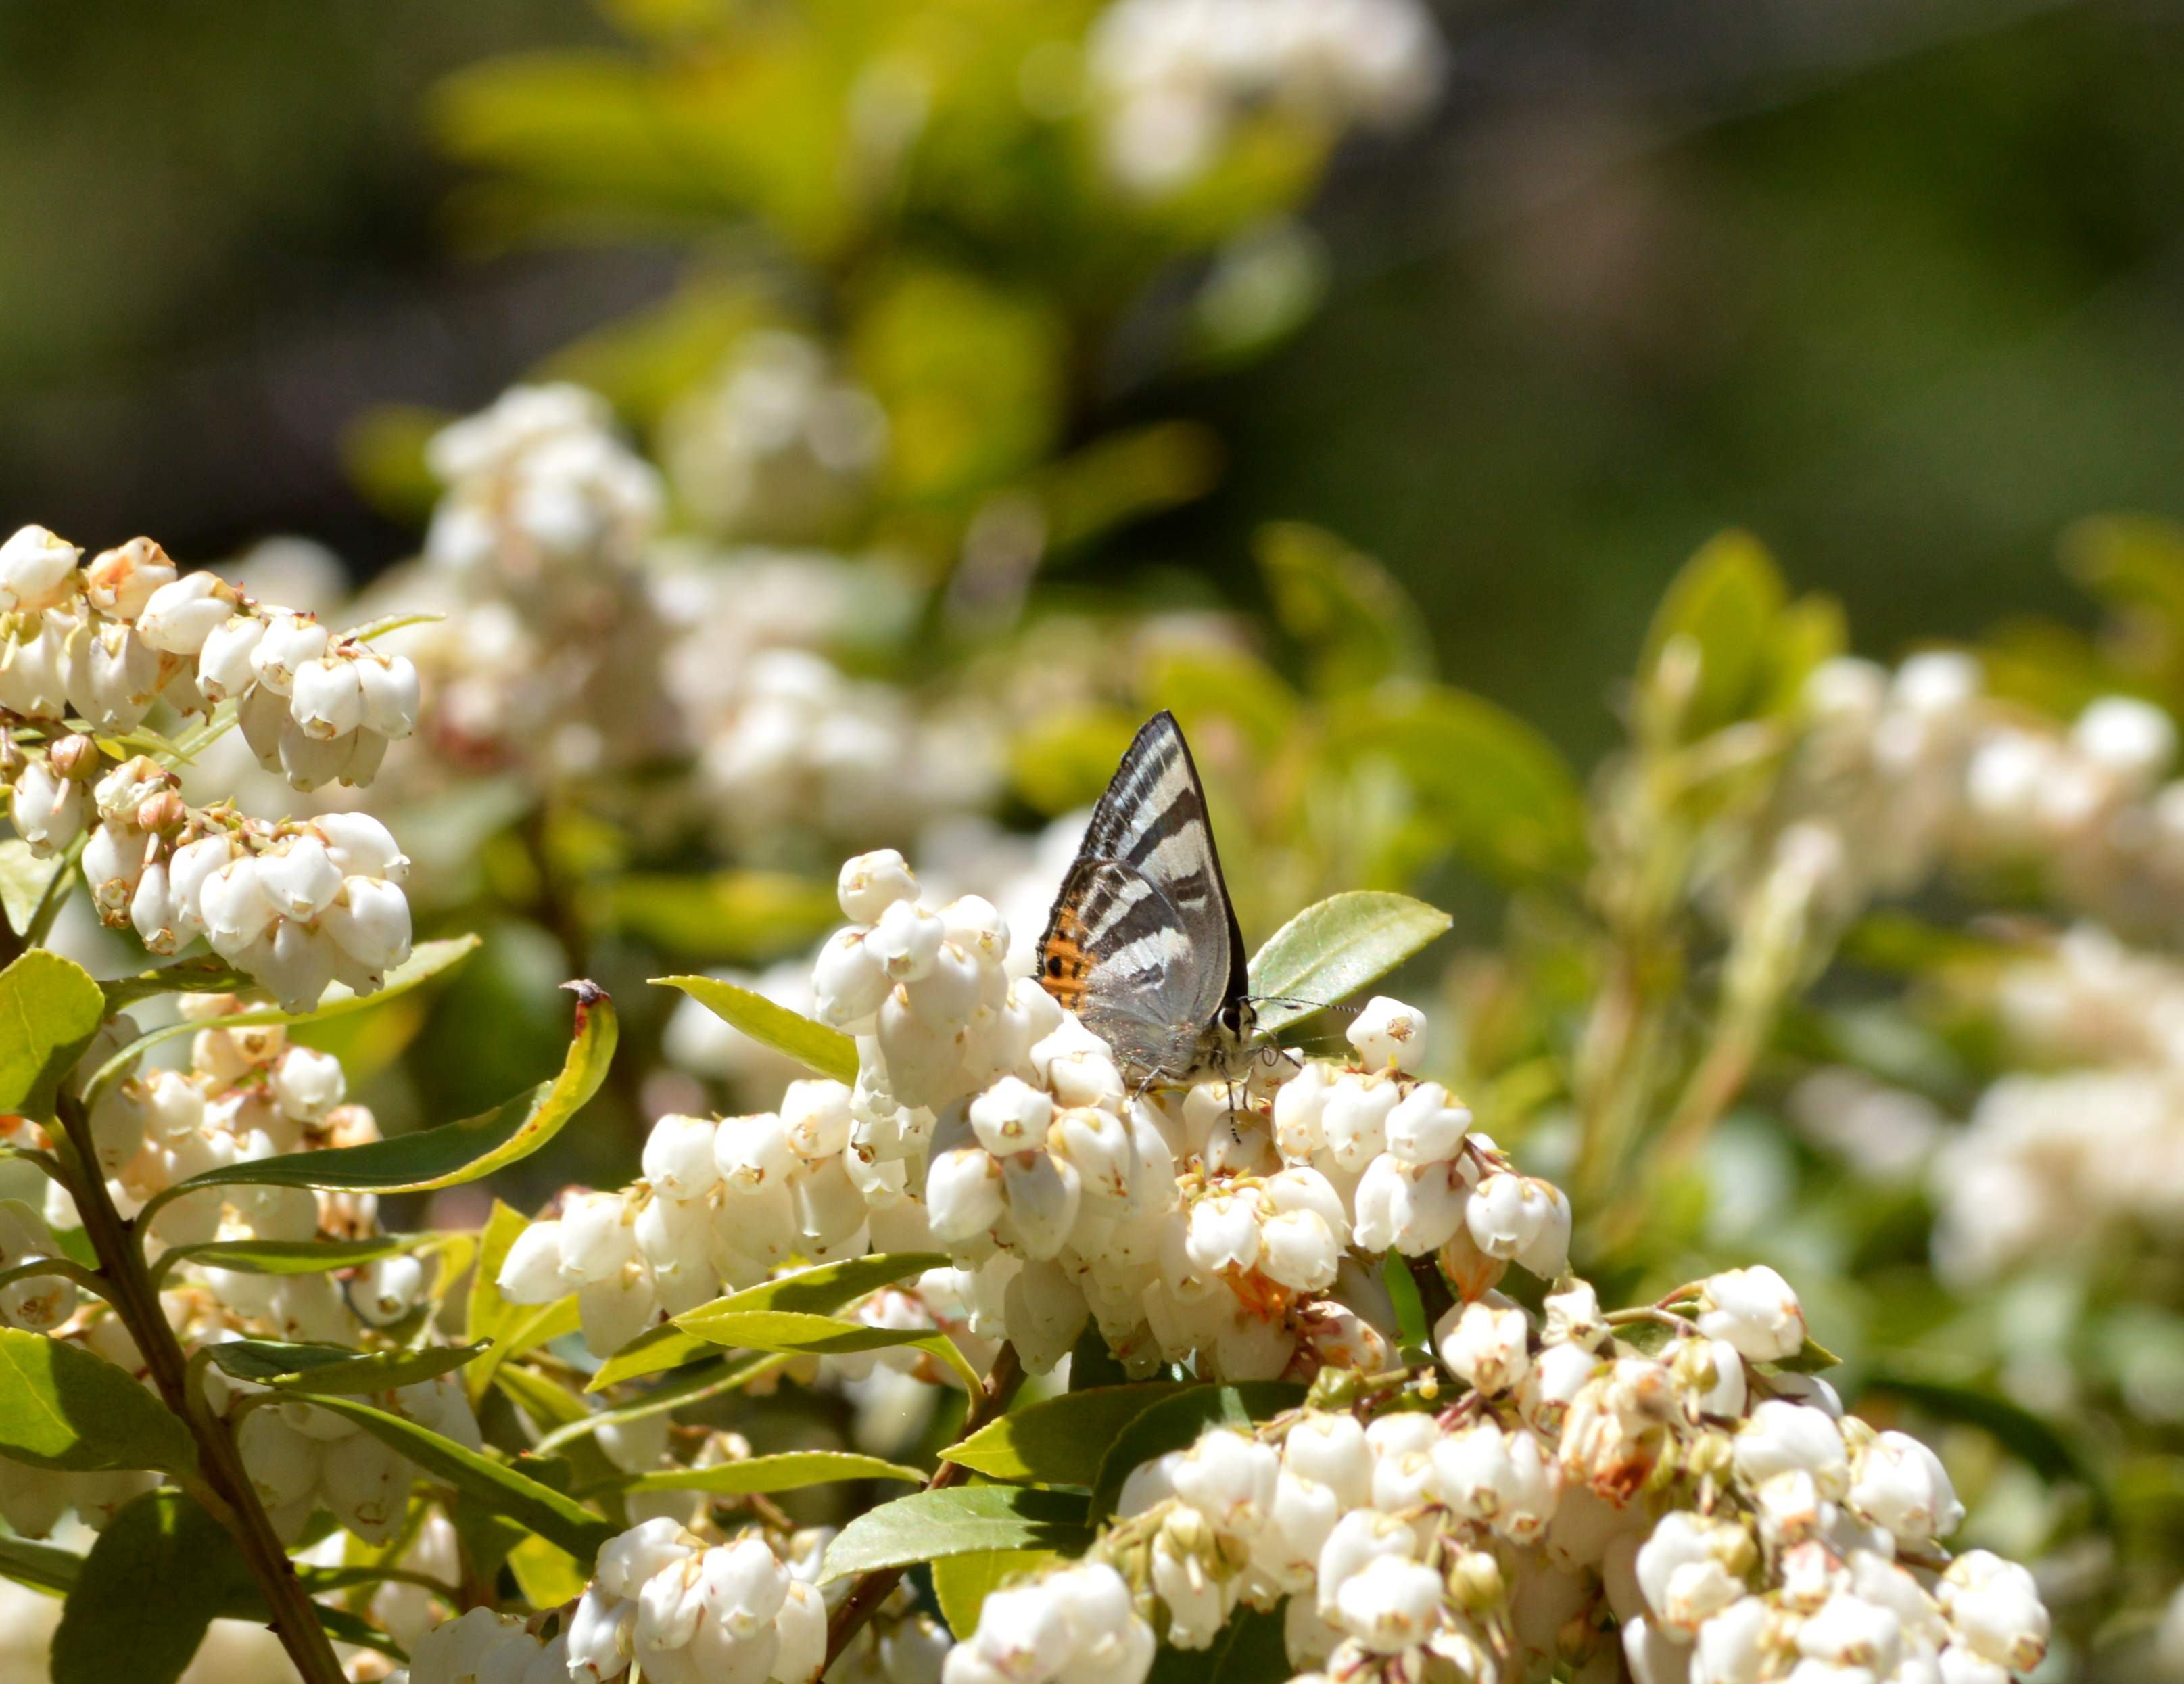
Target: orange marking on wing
1064 966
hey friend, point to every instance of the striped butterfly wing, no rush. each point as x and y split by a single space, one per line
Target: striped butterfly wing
1143 944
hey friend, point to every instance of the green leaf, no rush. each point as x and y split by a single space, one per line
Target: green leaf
1358 626
40 1566
790 1472
426 960
60 1407
455 1152
152 1585
818 1292
49 1010
293 1257
516 1497
1723 605
333 1368
799 1332
814 1046
930 1525
1332 950
734 917
24 880
1498 792
1062 1441
962 1583
547 1574
487 1315
1176 1423
692 1385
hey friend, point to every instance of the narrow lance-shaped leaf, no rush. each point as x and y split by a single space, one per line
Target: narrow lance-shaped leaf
1332 950
790 1472
40 1566
829 1052
49 1010
962 1583
518 1498
1062 1441
332 1367
455 1152
816 1291
821 1335
429 959
928 1526
61 1407
293 1257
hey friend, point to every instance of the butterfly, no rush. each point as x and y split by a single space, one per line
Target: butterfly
1143 944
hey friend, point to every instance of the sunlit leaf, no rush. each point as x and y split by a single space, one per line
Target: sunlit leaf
829 1052
455 1152
24 880
792 1470
49 1010
1061 1441
1721 607
929 1526
816 1291
293 1257
1330 950
429 959
801 1332
332 1367
61 1407
962 1583
539 1507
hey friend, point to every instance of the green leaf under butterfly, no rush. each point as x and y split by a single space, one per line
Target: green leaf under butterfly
929 1526
828 1052
1332 950
802 1332
455 1152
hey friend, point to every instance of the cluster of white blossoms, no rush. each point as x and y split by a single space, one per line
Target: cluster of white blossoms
780 448
685 1611
2056 1156
92 650
301 1459
1582 1503
1237 1224
104 643
1922 768
1174 77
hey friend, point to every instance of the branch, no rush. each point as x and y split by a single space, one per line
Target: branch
875 1586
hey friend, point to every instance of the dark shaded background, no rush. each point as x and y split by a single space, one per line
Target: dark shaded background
1895 282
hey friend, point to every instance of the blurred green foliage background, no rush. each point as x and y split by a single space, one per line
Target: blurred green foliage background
1896 285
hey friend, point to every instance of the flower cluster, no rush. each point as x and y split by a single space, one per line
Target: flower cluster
685 1611
780 448
295 906
1234 1224
1175 76
1583 1500
1921 768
